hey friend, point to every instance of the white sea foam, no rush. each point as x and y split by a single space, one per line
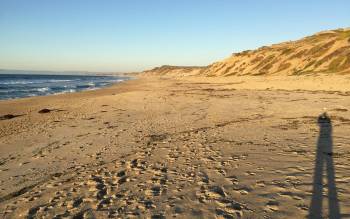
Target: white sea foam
17 82
14 82
43 89
66 91
57 80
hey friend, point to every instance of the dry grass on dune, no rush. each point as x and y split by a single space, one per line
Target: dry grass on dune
324 52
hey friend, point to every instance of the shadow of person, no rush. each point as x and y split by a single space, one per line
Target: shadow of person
324 158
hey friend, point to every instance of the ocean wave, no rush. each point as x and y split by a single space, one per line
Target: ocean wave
16 82
89 85
58 80
37 81
43 89
19 86
66 91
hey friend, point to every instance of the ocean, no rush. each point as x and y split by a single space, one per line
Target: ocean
28 85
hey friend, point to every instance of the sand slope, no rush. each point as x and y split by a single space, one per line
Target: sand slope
324 52
327 52
173 71
194 148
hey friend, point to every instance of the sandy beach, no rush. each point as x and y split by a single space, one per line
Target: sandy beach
190 147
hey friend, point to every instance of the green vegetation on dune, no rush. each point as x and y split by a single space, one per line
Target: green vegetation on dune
344 34
326 52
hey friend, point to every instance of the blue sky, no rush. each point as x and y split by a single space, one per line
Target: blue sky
132 35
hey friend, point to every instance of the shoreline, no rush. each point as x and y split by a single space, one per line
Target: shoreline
117 79
313 83
185 147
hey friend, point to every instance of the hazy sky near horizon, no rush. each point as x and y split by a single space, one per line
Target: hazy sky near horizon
132 35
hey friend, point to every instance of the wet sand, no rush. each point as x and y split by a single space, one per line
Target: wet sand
180 147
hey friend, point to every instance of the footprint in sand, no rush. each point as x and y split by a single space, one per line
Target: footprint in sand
233 179
249 173
243 190
260 183
272 205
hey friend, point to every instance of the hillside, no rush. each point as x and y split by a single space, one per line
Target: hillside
324 52
168 70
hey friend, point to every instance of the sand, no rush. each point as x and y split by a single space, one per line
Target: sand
237 147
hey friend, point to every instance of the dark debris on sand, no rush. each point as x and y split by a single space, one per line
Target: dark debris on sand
44 111
8 116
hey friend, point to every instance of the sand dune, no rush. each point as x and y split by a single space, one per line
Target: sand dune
174 71
325 52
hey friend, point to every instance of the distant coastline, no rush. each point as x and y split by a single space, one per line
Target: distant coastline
53 72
